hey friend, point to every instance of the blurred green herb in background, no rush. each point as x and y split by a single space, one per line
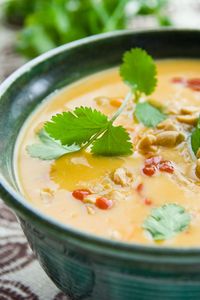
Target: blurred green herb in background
46 24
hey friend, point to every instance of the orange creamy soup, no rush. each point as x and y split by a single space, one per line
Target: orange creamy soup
113 196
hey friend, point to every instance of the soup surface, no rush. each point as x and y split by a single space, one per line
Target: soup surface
133 184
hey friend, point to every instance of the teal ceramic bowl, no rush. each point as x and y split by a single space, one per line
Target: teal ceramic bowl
81 265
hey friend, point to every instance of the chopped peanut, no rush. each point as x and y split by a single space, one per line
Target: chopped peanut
155 103
167 124
189 110
147 144
188 119
169 138
198 153
197 170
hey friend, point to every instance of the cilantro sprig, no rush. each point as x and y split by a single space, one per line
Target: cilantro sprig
167 221
139 72
72 131
88 128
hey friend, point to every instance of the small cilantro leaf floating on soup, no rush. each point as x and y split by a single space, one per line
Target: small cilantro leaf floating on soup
195 138
167 221
49 148
115 141
77 126
149 115
139 71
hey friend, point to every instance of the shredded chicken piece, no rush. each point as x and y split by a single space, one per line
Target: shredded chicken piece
117 195
122 177
183 181
147 144
47 195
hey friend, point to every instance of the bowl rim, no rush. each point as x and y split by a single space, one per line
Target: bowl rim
23 207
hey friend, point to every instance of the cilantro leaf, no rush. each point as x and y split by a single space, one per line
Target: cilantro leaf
198 123
77 126
195 138
49 148
167 221
149 115
114 141
139 71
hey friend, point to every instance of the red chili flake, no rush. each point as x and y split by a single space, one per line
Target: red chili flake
147 201
149 170
140 187
178 80
194 84
103 203
195 81
80 194
154 160
166 166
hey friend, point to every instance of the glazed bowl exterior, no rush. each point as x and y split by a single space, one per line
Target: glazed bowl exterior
82 265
